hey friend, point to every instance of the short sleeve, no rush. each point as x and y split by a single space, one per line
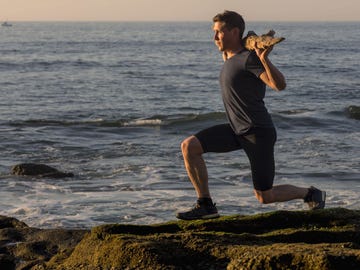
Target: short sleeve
254 65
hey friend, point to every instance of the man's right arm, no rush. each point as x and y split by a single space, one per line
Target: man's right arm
271 76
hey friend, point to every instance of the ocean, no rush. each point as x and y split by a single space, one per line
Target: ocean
112 101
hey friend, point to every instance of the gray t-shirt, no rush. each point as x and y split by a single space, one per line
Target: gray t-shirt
243 92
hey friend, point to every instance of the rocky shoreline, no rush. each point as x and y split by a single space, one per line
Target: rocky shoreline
323 239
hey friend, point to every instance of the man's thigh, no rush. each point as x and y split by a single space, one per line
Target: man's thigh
218 139
260 152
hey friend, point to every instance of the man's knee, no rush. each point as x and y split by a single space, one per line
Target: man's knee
186 146
191 145
264 197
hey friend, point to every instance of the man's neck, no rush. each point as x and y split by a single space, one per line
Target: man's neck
231 53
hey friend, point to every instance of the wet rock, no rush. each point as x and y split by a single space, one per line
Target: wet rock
39 170
353 112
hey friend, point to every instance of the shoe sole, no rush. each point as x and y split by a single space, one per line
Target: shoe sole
210 216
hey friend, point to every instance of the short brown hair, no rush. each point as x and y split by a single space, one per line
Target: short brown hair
231 19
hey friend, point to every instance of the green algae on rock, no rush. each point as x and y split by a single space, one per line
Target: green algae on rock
322 239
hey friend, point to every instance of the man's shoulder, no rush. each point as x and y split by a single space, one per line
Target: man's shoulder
242 60
245 53
245 56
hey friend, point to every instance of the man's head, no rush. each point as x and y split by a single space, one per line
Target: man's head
228 29
231 19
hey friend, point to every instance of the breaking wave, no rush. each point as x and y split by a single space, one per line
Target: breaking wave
153 121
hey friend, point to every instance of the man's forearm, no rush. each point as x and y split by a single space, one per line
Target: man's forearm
276 79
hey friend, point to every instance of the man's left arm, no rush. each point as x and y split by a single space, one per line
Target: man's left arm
271 76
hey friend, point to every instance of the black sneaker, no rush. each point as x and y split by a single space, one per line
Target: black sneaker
199 211
315 198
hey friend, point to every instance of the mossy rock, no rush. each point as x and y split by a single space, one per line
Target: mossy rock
323 239
23 247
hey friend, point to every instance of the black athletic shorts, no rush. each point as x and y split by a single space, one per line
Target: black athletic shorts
258 144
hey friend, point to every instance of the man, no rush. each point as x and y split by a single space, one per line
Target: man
243 80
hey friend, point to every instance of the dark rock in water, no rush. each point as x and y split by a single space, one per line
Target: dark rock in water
40 170
303 240
354 112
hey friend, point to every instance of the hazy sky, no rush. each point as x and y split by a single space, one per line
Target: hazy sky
175 10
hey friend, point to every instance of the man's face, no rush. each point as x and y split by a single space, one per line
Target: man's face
223 37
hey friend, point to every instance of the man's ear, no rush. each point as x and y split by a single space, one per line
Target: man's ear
235 32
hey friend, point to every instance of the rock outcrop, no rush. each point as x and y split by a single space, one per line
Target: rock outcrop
322 239
23 247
